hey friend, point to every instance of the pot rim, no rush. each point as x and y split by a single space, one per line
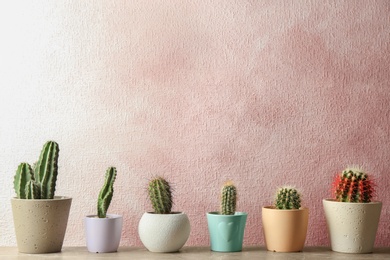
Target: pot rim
109 216
172 213
273 208
352 203
56 198
217 213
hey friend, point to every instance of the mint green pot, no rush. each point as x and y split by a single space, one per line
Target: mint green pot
226 231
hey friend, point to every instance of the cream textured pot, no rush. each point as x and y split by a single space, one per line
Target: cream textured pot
164 232
352 226
285 230
40 224
103 234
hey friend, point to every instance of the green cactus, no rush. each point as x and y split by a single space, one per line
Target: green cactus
287 198
353 185
23 175
228 198
106 193
160 195
46 169
39 183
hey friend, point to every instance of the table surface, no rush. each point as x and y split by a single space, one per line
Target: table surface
251 252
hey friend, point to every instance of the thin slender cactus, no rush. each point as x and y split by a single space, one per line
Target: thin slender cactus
106 193
228 198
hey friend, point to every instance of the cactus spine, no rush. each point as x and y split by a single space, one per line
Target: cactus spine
39 183
229 198
353 185
160 195
106 193
287 198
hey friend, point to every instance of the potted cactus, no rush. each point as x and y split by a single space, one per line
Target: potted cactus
285 223
40 218
226 227
352 215
163 230
103 231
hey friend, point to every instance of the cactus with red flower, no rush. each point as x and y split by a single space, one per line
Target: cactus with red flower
353 185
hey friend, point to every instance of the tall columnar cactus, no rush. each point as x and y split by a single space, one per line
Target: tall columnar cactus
160 195
46 169
106 193
39 183
228 198
287 198
353 185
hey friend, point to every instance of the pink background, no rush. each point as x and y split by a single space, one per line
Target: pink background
263 93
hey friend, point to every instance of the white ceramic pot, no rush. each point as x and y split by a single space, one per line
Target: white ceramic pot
40 224
103 234
352 226
164 232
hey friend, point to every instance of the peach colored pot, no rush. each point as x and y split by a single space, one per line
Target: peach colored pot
40 225
285 230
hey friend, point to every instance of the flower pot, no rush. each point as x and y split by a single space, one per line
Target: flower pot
40 224
285 230
164 232
352 226
103 234
226 231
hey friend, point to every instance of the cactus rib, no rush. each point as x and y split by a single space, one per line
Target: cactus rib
32 190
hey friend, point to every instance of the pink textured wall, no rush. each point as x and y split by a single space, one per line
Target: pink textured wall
261 92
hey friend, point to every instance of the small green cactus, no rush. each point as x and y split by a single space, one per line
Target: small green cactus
287 198
353 185
23 175
106 193
160 195
228 198
39 183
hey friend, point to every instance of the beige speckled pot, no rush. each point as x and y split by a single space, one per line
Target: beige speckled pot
40 225
352 226
285 230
